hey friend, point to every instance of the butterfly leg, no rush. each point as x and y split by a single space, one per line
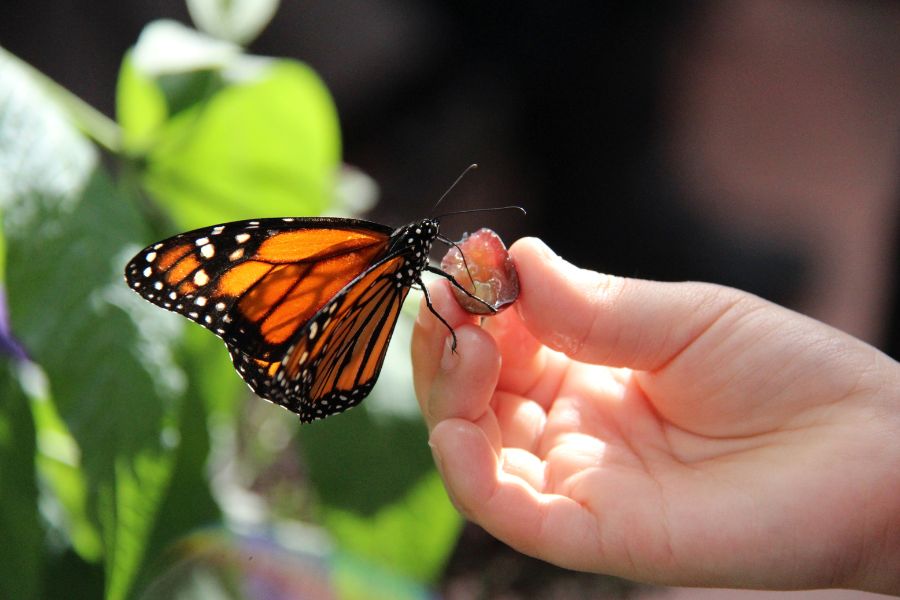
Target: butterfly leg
457 285
462 255
438 315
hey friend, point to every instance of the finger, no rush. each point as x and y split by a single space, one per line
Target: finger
610 320
524 357
546 526
429 335
465 380
516 462
452 384
521 420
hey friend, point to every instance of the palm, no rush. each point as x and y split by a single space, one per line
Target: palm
657 493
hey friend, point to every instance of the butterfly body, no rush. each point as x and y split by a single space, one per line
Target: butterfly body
306 306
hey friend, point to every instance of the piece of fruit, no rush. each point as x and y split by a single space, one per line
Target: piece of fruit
491 274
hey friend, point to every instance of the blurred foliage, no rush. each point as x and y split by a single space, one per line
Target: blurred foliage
123 428
21 564
222 135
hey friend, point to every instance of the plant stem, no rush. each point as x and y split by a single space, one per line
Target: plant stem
93 123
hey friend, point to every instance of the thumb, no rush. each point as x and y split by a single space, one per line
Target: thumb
609 320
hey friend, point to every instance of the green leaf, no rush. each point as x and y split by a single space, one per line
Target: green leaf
59 465
140 107
360 463
412 536
127 505
264 147
225 136
109 360
189 503
21 560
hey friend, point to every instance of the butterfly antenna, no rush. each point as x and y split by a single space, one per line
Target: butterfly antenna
465 172
474 210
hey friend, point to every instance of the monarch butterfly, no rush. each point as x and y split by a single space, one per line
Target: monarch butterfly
306 306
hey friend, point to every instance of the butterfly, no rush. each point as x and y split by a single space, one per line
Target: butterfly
305 305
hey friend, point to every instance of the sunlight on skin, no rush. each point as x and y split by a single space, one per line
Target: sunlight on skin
730 442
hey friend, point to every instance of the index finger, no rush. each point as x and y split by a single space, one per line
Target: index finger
433 358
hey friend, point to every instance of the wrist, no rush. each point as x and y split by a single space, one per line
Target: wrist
879 563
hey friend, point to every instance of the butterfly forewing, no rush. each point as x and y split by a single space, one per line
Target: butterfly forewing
255 283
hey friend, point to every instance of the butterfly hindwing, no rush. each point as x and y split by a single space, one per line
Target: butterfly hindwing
335 360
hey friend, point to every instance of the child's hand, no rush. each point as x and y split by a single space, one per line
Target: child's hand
677 433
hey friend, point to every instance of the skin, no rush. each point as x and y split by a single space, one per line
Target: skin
673 433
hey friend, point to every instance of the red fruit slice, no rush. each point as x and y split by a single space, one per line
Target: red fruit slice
491 274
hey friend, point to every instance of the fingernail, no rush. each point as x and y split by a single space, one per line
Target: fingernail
449 358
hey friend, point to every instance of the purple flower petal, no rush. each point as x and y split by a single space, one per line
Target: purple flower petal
9 345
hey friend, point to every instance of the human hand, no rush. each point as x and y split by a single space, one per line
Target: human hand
676 433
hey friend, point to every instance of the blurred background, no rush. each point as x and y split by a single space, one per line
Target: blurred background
753 143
